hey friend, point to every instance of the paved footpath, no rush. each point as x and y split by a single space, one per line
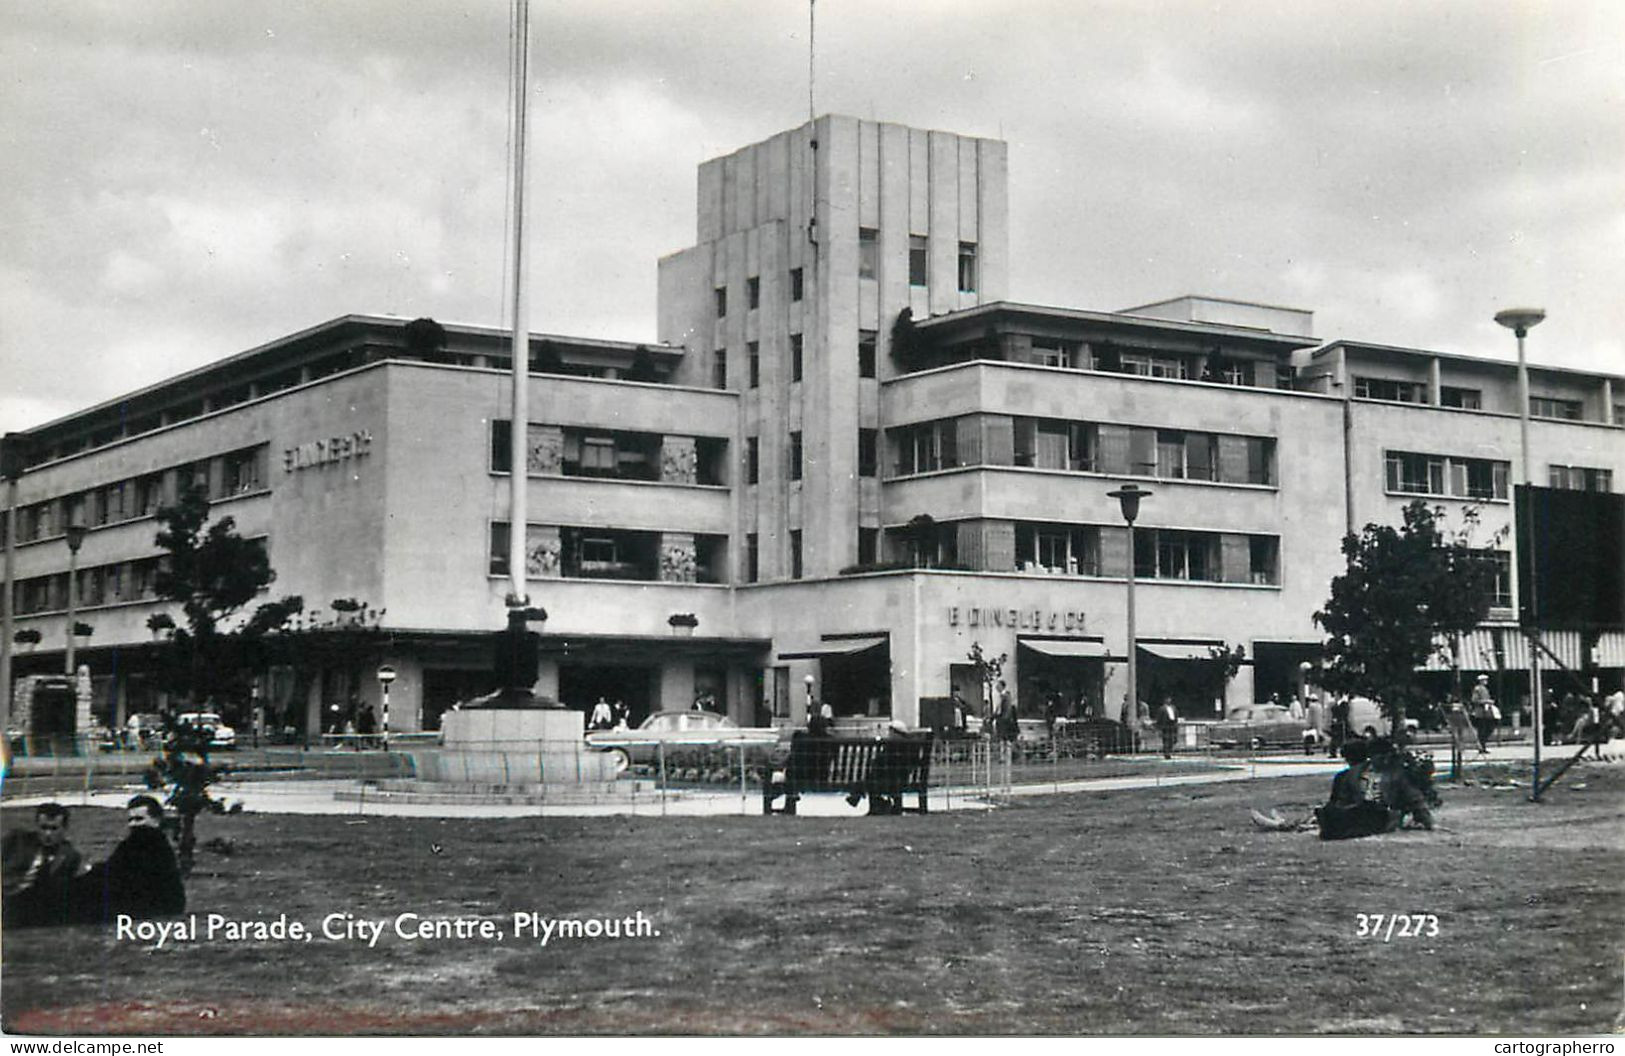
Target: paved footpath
319 797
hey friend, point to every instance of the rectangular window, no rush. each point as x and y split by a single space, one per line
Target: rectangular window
795 284
1466 399
866 353
1170 455
1142 452
1051 353
752 557
868 457
598 456
1263 559
719 369
753 293
1155 366
918 262
242 472
1388 389
1201 456
795 553
795 455
868 252
868 545
1260 460
795 357
1548 407
721 293
967 267
498 565
1283 377
754 350
1581 478
753 460
1233 373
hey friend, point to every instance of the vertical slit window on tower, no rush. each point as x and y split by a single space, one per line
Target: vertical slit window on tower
754 352
868 545
752 560
795 553
753 459
795 357
719 369
917 260
795 455
753 293
722 301
868 452
967 267
868 252
866 353
795 284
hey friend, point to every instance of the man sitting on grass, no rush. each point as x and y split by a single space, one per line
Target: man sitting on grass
38 867
140 878
1379 789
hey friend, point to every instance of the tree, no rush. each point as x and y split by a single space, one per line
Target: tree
989 669
213 572
1403 588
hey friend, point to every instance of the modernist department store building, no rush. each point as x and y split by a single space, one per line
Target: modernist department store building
781 463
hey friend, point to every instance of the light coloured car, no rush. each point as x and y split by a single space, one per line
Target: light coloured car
683 735
220 736
1255 726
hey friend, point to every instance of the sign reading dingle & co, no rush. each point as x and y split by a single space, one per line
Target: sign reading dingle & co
1052 620
326 452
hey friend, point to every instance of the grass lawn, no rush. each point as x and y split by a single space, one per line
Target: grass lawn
1155 911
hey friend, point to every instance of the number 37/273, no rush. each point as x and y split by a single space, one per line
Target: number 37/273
1390 926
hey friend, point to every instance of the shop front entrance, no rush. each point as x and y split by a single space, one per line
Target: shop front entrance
580 686
1061 678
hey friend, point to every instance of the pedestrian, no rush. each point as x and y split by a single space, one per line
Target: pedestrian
603 717
1167 725
1481 709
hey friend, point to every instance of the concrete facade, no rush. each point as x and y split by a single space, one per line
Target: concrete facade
800 480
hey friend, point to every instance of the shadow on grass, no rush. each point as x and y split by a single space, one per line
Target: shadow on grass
1152 911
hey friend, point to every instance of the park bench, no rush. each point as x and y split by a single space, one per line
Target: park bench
889 767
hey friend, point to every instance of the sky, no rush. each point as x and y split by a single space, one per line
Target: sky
181 180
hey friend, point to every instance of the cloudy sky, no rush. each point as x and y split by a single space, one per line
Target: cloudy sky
184 179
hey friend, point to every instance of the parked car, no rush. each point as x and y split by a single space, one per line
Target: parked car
679 731
220 735
1257 725
1365 720
144 730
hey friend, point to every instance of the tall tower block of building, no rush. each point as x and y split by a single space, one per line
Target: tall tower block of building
809 247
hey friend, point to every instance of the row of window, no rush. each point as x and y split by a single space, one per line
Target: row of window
867 360
618 553
222 476
1580 478
1393 391
1086 447
615 454
868 268
1408 473
122 581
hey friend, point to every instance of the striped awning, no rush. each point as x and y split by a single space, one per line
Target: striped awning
1507 649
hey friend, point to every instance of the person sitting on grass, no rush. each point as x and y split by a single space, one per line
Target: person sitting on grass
1355 808
38 867
1404 782
141 878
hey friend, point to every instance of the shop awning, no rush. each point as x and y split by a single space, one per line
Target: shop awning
1068 648
1611 649
841 647
1180 650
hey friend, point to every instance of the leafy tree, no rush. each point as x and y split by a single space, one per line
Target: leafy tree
989 669
1403 587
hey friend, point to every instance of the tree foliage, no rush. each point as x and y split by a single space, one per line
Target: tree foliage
1402 589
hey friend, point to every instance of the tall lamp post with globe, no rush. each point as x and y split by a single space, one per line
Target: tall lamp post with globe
1129 496
1520 321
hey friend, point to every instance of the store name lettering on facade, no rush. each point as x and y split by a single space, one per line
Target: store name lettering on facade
1017 619
326 452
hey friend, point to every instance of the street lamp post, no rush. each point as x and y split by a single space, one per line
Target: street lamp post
1520 321
1129 495
76 537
